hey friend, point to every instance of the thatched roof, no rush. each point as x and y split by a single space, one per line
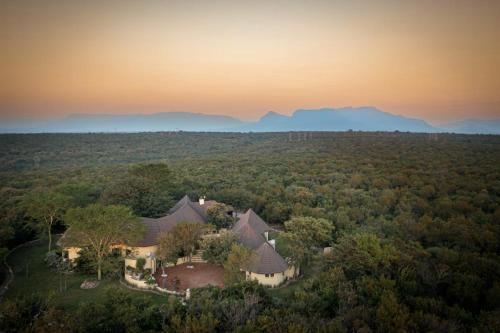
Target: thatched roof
71 239
247 236
187 213
185 199
183 211
253 220
267 261
152 231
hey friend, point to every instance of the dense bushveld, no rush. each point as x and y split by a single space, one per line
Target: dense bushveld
417 225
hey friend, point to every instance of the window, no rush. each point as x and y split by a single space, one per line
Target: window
272 275
267 275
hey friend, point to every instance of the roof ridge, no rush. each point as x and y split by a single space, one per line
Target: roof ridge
179 204
188 204
252 219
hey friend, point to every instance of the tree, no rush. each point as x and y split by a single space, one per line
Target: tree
217 249
82 194
304 233
183 238
6 234
46 207
146 188
220 215
363 254
188 235
391 315
19 313
237 260
168 249
53 319
99 227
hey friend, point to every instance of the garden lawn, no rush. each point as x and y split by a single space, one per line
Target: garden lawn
31 275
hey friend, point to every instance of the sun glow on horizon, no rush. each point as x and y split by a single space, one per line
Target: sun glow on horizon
432 60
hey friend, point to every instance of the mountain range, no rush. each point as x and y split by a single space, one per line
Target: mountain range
325 119
356 119
163 121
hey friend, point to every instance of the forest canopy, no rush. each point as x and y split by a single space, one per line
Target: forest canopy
412 220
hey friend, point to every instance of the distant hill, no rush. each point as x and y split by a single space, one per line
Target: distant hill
326 119
343 119
473 126
164 121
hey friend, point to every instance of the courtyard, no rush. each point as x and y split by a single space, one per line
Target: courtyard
181 277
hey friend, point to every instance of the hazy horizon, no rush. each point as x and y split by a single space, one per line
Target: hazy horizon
49 117
436 61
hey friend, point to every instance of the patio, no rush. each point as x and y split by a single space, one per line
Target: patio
181 277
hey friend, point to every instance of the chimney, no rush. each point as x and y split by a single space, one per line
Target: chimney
202 200
273 243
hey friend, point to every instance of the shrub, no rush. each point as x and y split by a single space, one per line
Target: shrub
52 259
85 262
150 280
140 263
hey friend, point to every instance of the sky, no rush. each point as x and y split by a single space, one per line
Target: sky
435 60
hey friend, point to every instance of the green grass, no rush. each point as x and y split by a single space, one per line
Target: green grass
31 275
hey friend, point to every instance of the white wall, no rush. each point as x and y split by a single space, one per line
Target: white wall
270 281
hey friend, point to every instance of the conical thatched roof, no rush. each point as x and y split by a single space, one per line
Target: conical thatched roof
267 261
187 213
253 220
247 236
185 199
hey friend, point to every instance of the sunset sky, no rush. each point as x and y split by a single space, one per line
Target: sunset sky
436 60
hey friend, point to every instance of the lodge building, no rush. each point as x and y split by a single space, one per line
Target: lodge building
266 266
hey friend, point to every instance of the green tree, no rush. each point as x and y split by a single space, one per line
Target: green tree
392 317
182 238
220 215
363 253
303 234
53 319
46 207
216 249
168 249
19 314
99 227
146 188
6 234
82 194
237 261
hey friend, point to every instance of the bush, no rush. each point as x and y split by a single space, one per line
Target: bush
150 280
139 264
85 262
112 265
52 259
